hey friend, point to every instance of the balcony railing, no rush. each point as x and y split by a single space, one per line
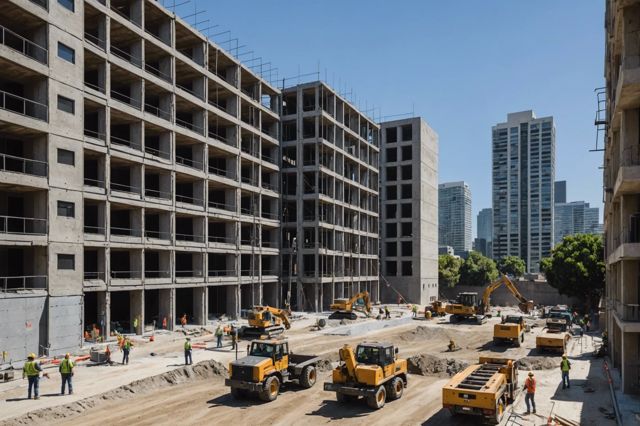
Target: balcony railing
157 152
95 40
124 188
628 311
22 225
270 186
189 162
152 109
23 45
125 274
90 229
156 193
29 282
190 237
189 199
188 273
94 275
94 134
157 274
22 165
221 273
122 54
223 139
158 235
189 125
94 86
222 206
221 239
155 71
121 97
23 106
125 16
125 232
221 172
98 183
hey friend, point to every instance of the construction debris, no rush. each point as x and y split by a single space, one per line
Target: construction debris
429 365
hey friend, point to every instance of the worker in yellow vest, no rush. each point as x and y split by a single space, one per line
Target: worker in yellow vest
66 371
187 352
31 370
565 366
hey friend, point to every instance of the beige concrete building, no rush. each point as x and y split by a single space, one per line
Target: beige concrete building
330 156
622 188
409 211
139 174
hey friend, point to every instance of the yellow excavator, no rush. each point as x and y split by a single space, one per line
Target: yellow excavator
266 322
373 371
467 306
345 308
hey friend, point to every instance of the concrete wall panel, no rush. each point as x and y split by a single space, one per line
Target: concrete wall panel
65 324
23 324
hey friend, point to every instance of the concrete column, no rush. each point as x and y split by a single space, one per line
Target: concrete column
166 308
199 305
106 311
233 301
136 309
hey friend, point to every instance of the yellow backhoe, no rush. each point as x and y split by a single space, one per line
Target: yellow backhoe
345 308
266 322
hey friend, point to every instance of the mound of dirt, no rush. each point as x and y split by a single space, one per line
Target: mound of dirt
200 371
428 333
429 365
324 365
537 363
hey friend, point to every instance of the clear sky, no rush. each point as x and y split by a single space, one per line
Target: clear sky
461 65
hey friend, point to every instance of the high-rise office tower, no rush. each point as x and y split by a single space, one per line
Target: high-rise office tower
560 191
523 187
575 217
454 216
485 232
409 203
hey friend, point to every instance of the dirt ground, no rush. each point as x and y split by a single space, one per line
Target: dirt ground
159 390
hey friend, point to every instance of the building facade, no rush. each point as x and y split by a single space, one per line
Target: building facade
523 187
330 198
622 190
484 223
139 179
575 217
454 216
409 219
560 191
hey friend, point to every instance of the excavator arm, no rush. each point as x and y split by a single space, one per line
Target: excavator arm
275 312
525 305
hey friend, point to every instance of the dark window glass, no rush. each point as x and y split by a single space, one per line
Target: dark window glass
66 53
66 209
66 105
66 157
68 4
66 261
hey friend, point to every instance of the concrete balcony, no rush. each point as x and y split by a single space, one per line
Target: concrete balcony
21 283
23 171
23 45
627 181
627 316
26 230
628 86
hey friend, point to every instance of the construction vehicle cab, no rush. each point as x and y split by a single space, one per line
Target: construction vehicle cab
373 371
437 308
465 307
268 365
346 308
484 389
266 322
511 330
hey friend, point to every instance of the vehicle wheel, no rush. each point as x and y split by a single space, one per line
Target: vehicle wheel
271 389
237 393
308 376
395 388
453 319
377 400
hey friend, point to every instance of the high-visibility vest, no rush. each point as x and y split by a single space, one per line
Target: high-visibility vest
187 346
127 345
65 366
30 369
565 365
530 384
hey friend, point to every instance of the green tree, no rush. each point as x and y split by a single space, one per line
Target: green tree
478 270
448 270
576 268
511 265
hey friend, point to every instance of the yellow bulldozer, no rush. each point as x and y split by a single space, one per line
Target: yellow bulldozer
265 322
373 372
511 330
346 308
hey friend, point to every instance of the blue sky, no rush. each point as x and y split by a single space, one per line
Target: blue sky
461 65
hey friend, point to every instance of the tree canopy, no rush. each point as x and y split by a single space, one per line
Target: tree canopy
448 270
576 268
478 270
511 265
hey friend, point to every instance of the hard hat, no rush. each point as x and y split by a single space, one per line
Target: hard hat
530 374
67 355
32 355
564 355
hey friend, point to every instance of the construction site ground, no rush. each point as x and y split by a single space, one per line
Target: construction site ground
156 387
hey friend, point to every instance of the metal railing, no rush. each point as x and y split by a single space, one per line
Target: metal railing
114 186
95 40
189 199
122 54
95 87
94 134
222 139
23 45
218 105
222 206
219 239
221 273
125 99
157 36
157 152
27 282
269 215
157 274
23 225
125 274
23 106
188 162
23 165
152 109
269 244
190 237
189 126
249 180
94 182
190 91
89 229
221 172
156 193
158 235
628 311
269 185
246 210
125 232
188 273
155 71
94 275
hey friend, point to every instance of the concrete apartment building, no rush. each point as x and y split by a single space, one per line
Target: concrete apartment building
575 217
330 201
139 174
409 219
454 216
484 224
523 187
622 189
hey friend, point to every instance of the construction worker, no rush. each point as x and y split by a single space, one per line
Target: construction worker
219 334
107 355
31 370
529 397
126 348
66 371
234 338
135 325
183 320
451 346
565 366
414 310
387 314
164 323
187 352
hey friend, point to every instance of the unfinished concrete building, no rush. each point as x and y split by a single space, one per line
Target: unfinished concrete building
330 156
409 211
139 173
621 125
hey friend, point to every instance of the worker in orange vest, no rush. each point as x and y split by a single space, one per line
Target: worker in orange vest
164 323
183 320
530 387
